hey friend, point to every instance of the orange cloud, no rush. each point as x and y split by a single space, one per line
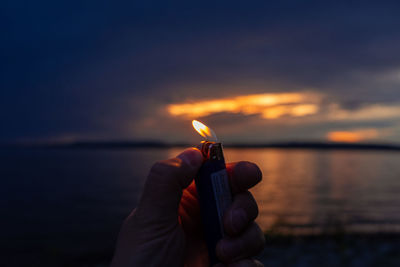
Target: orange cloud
352 136
269 106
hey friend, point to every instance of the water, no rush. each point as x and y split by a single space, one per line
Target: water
58 203
316 191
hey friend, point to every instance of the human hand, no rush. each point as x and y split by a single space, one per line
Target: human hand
165 228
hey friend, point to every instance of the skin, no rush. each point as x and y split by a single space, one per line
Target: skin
165 228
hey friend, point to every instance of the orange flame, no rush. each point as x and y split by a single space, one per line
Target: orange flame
204 131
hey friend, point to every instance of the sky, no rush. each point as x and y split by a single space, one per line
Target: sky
254 71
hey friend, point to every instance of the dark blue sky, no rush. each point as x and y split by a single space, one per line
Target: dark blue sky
108 70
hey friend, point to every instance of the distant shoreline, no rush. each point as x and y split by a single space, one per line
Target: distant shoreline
155 144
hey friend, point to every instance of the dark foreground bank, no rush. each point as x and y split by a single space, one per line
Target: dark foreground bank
281 250
332 250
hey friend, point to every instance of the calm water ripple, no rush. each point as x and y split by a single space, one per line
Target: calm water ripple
53 199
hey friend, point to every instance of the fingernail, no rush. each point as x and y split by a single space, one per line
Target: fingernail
239 220
192 157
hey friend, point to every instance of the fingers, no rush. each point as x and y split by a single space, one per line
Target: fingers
163 188
240 214
248 244
242 263
243 175
245 237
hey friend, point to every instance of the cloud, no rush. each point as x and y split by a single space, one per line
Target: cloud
352 136
358 135
365 113
285 104
292 115
106 70
268 106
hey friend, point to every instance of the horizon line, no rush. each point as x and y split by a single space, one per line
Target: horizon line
126 144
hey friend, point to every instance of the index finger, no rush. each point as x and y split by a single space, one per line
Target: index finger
243 175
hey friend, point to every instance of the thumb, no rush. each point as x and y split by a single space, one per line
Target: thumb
163 188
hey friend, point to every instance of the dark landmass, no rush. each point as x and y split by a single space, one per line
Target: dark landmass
159 144
319 145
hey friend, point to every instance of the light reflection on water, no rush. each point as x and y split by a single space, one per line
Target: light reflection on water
316 191
59 198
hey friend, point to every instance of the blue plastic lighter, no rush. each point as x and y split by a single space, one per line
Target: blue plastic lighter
213 189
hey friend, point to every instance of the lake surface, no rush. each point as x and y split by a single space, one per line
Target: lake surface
58 202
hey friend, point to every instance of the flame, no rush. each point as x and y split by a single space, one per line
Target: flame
204 131
269 106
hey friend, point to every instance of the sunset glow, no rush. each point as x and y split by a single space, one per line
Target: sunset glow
270 106
292 110
352 136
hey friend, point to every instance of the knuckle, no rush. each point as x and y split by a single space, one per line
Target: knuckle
242 166
165 167
254 170
183 165
157 167
246 169
246 201
172 170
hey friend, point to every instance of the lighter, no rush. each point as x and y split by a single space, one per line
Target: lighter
213 188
